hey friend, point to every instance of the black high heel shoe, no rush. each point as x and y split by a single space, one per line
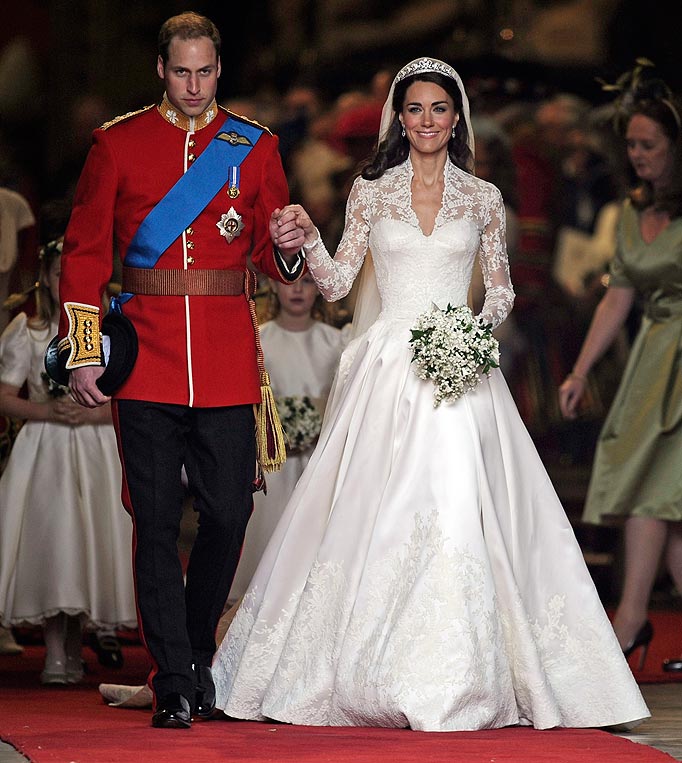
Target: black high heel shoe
107 648
642 639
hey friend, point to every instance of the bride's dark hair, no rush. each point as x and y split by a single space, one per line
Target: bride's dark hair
395 148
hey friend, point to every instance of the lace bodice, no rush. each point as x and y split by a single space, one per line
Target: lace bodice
414 270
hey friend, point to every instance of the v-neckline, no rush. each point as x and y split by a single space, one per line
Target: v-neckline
442 198
661 232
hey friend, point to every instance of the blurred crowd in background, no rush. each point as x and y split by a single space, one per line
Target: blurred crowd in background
554 155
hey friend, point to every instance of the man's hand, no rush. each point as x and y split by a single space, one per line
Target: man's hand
285 232
83 386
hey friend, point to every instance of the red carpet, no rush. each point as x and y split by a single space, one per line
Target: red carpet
101 741
73 725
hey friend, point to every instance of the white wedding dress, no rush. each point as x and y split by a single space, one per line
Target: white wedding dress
424 573
299 363
65 538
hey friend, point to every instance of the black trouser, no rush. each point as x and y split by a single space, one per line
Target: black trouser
178 621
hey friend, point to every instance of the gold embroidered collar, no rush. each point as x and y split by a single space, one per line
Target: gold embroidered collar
188 124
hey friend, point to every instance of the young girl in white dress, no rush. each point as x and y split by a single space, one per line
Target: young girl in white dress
65 538
301 353
423 573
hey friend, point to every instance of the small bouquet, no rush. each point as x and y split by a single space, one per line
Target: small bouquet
54 389
453 349
301 421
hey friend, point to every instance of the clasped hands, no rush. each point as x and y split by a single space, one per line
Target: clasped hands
291 228
65 410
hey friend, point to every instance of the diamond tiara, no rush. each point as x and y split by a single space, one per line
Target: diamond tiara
421 65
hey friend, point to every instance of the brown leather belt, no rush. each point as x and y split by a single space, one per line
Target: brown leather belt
177 283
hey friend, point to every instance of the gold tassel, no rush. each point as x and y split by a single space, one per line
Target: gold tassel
271 450
270 439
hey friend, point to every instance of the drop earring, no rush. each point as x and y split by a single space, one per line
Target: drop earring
453 130
402 132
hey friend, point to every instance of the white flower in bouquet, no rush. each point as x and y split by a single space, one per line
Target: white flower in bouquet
301 421
54 389
454 350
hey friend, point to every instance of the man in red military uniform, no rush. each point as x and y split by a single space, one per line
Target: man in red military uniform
188 191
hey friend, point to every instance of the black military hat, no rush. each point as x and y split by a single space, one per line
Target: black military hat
119 361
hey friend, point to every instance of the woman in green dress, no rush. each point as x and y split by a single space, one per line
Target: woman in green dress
636 472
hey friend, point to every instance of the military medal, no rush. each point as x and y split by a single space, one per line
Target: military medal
230 225
234 139
233 190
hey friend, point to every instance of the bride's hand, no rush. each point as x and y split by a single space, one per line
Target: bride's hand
296 213
286 235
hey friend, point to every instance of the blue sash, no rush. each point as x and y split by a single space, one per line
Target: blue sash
185 201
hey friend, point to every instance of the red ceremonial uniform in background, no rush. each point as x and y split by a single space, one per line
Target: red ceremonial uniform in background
193 350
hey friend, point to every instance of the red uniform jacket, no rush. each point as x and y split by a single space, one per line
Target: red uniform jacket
195 350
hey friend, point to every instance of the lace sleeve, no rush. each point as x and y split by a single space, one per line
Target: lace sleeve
334 276
499 293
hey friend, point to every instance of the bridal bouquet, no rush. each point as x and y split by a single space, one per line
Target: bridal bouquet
453 349
54 389
301 421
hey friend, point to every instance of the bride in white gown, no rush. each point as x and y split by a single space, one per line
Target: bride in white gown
424 573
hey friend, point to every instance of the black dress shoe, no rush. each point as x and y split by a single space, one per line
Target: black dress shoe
673 666
107 648
204 704
172 712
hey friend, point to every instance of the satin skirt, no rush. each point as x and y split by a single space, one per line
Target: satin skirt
423 574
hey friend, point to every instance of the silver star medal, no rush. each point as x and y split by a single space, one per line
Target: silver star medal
230 225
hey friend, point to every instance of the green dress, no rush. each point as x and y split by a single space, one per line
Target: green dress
637 469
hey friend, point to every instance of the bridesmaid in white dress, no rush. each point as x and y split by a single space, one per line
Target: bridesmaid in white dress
301 353
64 535
424 573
